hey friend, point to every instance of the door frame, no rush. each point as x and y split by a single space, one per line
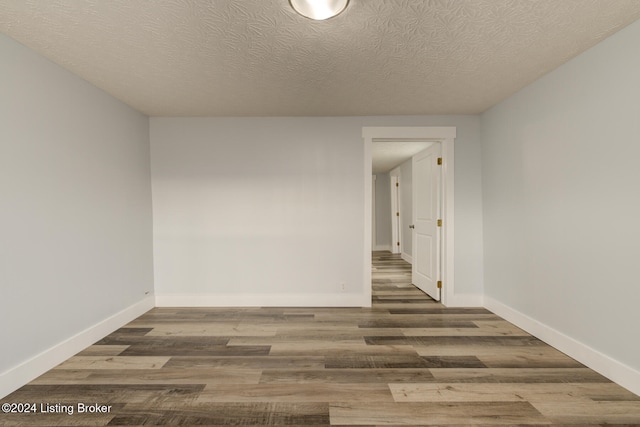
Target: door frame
374 236
446 137
396 223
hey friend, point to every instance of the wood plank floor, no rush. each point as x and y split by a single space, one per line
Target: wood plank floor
406 361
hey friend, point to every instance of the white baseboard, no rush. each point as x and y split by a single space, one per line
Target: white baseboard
262 300
465 300
383 248
407 258
20 375
605 365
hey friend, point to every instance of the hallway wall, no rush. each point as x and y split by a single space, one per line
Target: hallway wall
383 212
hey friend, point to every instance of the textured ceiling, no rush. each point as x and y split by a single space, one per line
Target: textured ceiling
258 58
386 155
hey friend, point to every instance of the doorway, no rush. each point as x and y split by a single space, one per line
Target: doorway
396 203
445 136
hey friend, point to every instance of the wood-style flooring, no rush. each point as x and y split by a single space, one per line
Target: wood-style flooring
406 361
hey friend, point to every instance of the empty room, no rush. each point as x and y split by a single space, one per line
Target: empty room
306 212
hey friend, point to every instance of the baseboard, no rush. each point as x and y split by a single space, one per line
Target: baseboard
20 375
262 300
616 371
383 248
407 258
465 300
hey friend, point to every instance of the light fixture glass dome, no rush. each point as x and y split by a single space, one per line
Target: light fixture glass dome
319 9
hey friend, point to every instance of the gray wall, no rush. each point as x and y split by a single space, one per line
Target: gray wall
75 210
383 212
561 187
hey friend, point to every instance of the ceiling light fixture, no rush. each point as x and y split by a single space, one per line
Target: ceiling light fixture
319 10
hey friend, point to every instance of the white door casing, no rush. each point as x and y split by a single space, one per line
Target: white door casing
446 136
426 213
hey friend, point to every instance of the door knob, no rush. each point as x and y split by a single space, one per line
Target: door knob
412 226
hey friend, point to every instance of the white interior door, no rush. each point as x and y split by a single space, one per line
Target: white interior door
395 215
426 213
373 212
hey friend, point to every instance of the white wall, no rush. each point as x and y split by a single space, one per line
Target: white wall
257 211
383 212
75 212
561 192
268 211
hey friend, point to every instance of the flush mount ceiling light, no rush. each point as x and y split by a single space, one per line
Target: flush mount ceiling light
319 10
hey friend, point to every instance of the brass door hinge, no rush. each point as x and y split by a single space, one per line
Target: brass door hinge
439 160
397 213
398 243
439 284
439 223
397 184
